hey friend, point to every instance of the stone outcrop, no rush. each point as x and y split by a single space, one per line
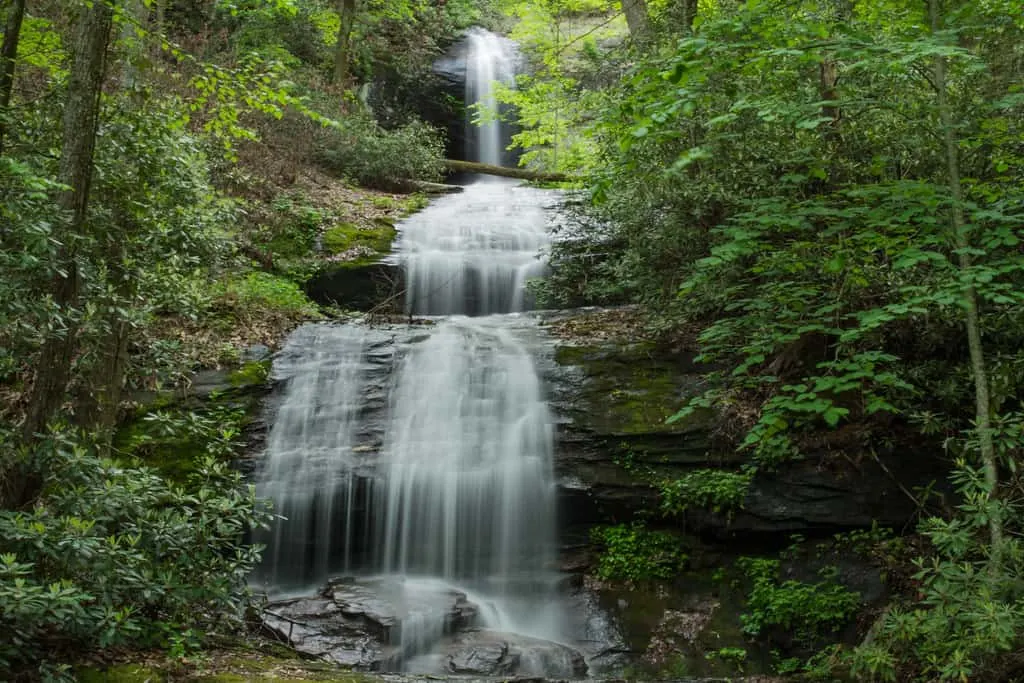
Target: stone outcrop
423 626
612 397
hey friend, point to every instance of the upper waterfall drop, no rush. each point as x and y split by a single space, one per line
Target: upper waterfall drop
490 59
473 253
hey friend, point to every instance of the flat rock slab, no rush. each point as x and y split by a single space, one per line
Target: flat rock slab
373 624
317 627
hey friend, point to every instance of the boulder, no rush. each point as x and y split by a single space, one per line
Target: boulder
359 285
370 624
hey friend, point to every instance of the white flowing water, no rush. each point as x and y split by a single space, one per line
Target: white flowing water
475 251
467 491
490 59
449 479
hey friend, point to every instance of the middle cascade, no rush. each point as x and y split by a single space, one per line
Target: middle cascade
466 491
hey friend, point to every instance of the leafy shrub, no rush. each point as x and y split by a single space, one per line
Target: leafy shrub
807 610
968 610
357 148
635 553
114 555
265 290
717 490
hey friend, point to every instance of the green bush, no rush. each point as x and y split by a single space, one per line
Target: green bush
265 290
114 555
808 610
635 553
717 490
358 149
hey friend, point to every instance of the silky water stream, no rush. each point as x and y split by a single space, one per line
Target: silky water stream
418 460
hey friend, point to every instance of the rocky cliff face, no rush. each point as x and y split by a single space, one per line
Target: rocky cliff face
612 394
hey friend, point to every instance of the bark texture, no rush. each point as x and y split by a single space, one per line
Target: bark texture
636 18
8 60
81 117
343 48
457 166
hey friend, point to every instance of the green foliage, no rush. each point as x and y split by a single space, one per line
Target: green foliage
176 440
113 555
636 553
717 490
358 149
262 291
346 236
734 655
967 612
807 610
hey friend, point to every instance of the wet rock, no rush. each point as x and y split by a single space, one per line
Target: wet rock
678 631
612 397
359 285
255 353
493 653
317 627
370 624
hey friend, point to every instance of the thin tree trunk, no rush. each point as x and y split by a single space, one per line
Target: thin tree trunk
689 13
343 48
97 407
81 117
8 61
982 399
636 18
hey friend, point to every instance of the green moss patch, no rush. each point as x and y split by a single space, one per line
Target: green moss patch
250 374
120 673
345 237
174 439
628 389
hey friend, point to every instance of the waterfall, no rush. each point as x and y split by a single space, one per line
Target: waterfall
442 472
474 252
490 59
467 491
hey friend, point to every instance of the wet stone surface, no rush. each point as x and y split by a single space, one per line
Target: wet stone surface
419 626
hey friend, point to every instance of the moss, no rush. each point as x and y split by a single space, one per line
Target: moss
628 389
122 673
262 667
254 373
345 236
414 203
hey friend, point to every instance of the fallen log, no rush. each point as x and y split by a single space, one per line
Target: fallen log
456 166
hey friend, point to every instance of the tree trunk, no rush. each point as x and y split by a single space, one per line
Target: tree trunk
100 398
689 8
8 61
636 18
343 48
457 166
982 398
81 117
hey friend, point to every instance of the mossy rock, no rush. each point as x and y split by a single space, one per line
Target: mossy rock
630 390
251 374
359 285
121 673
346 236
177 456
